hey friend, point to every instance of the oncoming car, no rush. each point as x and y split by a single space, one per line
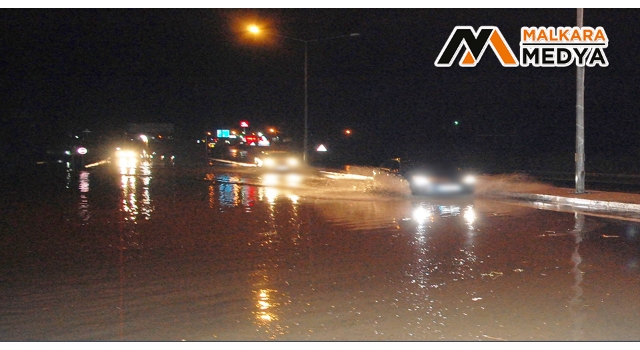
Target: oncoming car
428 177
278 160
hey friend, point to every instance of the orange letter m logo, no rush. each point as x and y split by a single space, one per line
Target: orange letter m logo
475 44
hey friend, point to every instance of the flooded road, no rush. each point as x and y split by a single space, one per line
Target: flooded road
234 255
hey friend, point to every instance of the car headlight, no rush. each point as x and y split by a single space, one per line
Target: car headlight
420 180
269 162
469 179
292 161
125 154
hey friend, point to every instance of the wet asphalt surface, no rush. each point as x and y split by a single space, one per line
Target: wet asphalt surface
232 254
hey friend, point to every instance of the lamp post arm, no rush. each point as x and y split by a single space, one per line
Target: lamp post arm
315 40
334 37
288 37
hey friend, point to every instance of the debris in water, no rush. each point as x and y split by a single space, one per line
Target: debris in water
554 234
492 274
494 338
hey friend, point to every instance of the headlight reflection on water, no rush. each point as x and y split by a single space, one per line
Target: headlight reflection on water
293 179
232 191
83 185
271 194
422 214
469 215
270 179
287 180
428 213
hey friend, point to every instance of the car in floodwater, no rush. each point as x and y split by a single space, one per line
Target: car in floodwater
427 177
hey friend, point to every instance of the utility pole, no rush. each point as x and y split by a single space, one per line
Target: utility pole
306 101
579 156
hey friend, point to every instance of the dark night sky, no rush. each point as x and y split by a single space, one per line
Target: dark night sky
70 69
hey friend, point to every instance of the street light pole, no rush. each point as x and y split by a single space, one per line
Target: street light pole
579 157
255 30
306 101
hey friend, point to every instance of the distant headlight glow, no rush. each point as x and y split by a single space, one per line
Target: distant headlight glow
125 154
127 162
269 162
469 179
419 180
292 161
126 158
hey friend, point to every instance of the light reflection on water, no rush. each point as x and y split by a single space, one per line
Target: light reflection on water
283 225
135 201
407 283
276 208
229 191
444 246
442 236
83 185
430 269
266 313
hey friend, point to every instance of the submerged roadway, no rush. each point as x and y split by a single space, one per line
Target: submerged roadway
236 254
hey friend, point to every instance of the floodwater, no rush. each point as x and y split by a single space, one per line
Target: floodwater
228 254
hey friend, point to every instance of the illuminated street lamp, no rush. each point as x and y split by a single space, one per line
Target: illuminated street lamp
254 29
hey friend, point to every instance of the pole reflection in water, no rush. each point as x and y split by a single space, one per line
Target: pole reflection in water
576 301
